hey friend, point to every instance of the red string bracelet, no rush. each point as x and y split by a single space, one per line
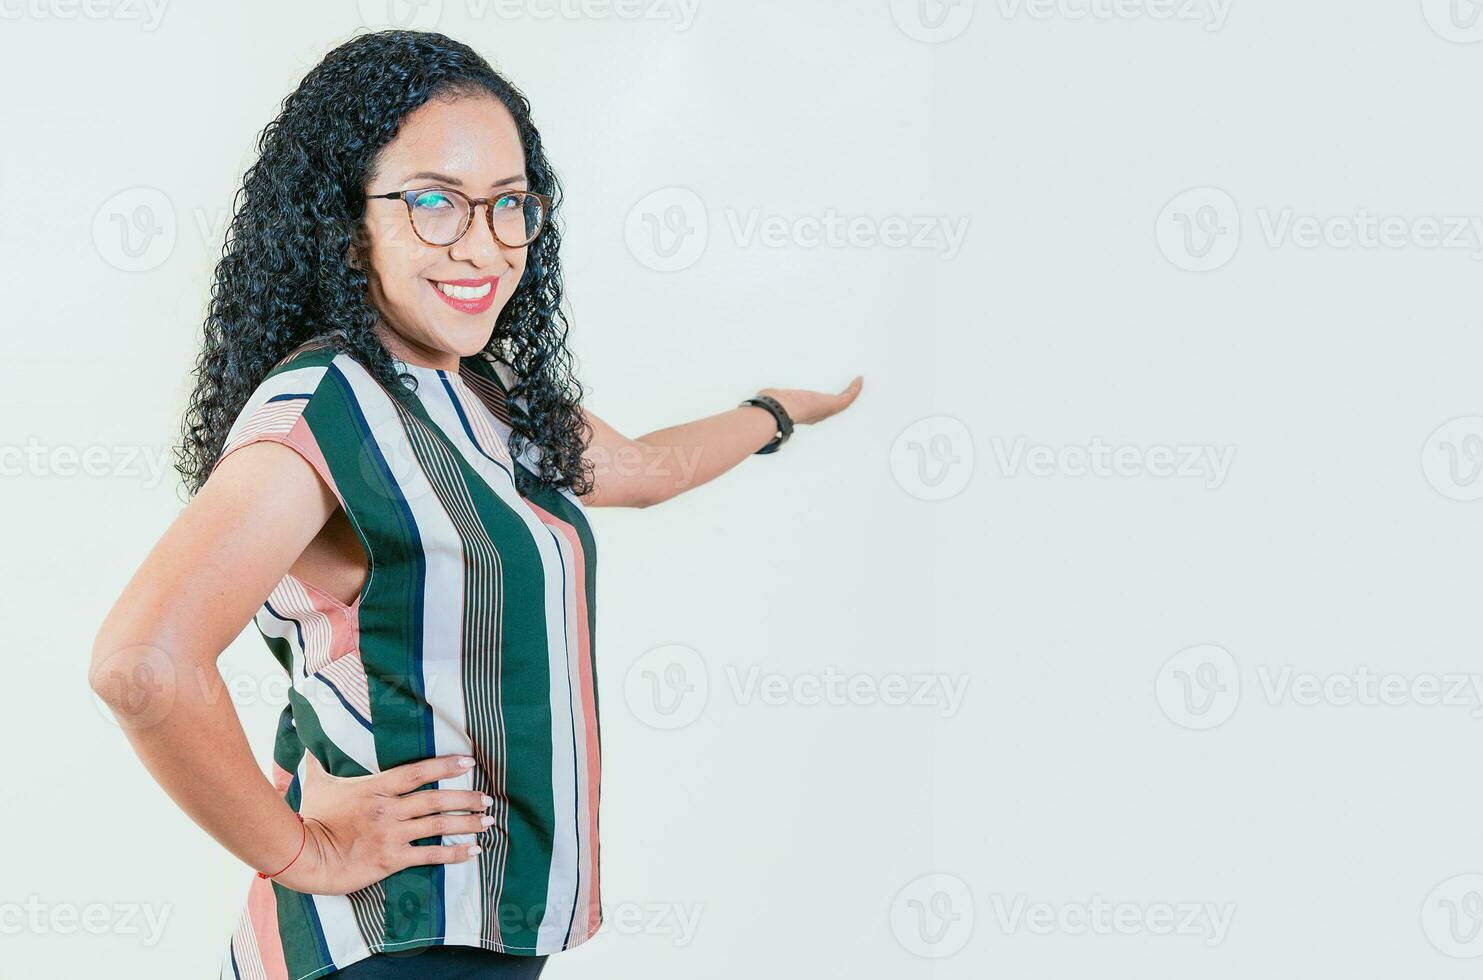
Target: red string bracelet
302 841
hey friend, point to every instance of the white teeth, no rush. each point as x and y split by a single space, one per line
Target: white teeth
465 292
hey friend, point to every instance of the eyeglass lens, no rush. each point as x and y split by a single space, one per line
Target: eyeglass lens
439 216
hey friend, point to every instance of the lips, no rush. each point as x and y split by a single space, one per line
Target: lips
466 295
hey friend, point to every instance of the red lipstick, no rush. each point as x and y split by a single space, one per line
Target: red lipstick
470 295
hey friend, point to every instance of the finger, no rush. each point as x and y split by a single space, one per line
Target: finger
445 825
427 801
414 775
439 854
846 397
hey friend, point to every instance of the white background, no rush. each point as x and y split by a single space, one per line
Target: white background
1236 706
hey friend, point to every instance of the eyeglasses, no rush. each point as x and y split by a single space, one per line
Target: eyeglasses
441 216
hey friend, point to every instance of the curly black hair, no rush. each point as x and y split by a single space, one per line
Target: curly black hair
284 275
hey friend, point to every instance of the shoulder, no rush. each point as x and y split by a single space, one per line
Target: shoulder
279 407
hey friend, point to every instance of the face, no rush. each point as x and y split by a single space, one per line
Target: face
470 145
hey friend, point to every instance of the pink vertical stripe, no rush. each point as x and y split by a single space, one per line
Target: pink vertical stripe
589 710
262 909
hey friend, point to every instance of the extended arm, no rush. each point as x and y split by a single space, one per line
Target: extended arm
652 468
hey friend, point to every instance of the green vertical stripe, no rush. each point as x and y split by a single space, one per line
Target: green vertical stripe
391 632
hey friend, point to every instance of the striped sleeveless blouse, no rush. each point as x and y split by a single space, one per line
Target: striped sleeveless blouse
473 635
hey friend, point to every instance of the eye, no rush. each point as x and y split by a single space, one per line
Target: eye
433 200
509 202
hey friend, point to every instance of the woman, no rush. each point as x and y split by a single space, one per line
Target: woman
390 469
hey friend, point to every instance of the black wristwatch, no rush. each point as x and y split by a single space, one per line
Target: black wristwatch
785 424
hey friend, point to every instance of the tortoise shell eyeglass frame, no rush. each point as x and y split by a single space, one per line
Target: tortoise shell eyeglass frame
407 197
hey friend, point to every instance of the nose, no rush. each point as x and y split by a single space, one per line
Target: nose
479 245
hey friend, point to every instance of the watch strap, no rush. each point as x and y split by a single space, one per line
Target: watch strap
779 414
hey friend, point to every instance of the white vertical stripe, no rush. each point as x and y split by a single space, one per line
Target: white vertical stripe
249 953
561 878
574 676
442 623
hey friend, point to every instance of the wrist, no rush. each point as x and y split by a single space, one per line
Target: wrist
293 851
781 397
782 421
301 875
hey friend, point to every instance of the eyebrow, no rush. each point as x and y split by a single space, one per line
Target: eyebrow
444 178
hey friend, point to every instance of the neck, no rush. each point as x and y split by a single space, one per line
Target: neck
410 352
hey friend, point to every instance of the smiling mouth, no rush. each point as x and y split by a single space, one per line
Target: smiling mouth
466 295
457 291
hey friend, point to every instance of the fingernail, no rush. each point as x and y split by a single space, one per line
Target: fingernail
488 801
487 821
476 849
466 761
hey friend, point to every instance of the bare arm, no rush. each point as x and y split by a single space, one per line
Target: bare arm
154 663
154 659
662 464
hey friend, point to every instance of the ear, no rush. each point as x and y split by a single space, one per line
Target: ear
355 249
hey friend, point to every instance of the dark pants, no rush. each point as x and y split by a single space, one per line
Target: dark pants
444 963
